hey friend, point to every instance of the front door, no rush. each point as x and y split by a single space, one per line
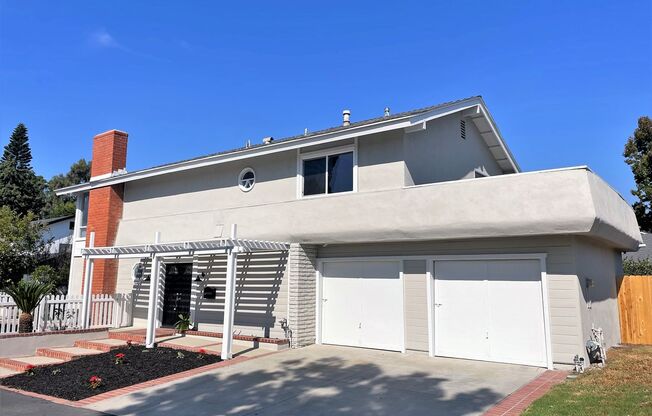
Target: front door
176 299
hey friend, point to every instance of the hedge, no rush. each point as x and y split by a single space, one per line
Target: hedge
641 267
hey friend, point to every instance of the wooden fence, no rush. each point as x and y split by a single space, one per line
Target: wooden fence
635 304
60 312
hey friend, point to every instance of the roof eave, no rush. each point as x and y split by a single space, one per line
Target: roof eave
354 131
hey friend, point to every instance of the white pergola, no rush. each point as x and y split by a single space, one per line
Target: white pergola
155 251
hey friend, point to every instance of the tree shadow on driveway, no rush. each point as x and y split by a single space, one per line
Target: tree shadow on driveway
326 386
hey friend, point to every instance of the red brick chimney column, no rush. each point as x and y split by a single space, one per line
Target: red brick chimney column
105 205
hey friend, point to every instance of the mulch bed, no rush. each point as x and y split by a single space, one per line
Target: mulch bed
70 380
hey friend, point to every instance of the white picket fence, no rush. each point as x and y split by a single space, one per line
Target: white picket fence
61 312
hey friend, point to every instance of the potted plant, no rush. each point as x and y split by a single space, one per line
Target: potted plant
27 295
183 324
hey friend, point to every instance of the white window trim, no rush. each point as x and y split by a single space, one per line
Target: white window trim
301 157
241 174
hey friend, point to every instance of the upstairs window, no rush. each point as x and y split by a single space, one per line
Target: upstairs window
328 173
83 206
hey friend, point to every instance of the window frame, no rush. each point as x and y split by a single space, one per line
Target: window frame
331 151
243 172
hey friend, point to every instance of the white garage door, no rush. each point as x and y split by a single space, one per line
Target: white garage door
490 310
362 304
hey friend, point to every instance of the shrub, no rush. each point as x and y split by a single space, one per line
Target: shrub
27 295
183 324
633 267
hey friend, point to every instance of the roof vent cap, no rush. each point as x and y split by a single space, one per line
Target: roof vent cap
268 140
346 117
386 112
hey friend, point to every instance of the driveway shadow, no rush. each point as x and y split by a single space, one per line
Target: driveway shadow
304 386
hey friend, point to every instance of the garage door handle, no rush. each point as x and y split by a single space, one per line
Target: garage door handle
438 304
324 299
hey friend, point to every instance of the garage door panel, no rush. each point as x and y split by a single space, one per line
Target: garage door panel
460 302
516 312
341 316
364 305
490 310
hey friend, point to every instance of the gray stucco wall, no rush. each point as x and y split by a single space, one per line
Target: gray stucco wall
599 303
440 154
556 202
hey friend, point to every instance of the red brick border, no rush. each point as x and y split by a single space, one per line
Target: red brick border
62 332
137 336
517 402
140 386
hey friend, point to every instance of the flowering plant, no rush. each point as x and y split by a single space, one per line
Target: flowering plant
201 353
119 358
95 382
30 370
129 344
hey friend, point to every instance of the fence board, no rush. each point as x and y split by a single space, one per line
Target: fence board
635 305
57 312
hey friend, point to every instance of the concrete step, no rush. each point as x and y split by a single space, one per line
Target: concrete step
138 335
102 345
5 372
66 353
23 363
163 334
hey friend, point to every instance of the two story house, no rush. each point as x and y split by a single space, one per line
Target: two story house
410 231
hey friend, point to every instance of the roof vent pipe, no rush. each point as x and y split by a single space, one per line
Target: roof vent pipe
346 117
268 140
386 112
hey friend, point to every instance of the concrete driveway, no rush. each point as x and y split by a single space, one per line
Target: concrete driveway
327 380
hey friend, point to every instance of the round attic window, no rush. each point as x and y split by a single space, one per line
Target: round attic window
246 179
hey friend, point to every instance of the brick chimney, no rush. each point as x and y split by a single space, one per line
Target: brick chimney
105 205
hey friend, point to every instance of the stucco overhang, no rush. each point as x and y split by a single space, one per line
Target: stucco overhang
571 201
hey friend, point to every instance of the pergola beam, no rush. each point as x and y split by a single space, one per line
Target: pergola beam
88 283
153 295
156 251
229 300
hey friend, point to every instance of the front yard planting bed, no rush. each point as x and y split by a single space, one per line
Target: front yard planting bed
623 387
71 380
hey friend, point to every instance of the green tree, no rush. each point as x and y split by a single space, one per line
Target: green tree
59 206
20 188
21 246
638 155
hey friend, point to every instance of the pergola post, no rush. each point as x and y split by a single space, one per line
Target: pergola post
153 294
88 283
229 299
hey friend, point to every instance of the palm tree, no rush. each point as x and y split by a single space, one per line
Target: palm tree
27 295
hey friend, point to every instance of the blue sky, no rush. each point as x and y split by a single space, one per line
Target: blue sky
566 82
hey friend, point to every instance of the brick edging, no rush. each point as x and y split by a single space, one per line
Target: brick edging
518 401
128 335
62 332
140 386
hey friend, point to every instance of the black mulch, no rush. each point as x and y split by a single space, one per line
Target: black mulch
70 380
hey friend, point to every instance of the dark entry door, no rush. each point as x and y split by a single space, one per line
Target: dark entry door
176 298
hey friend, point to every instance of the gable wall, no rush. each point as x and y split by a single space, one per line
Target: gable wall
440 154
